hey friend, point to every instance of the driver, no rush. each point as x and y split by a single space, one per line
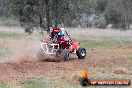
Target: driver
61 34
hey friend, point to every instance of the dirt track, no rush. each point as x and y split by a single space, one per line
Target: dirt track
28 69
22 64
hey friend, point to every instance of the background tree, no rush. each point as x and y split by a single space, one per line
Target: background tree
71 13
4 8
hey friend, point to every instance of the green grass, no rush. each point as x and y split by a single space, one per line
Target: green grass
11 35
3 51
37 83
104 43
48 83
3 85
32 84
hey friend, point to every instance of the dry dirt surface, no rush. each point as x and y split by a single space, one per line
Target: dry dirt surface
23 68
23 64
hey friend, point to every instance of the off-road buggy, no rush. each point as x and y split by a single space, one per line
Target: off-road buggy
61 46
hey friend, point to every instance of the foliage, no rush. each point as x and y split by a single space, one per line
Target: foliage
71 13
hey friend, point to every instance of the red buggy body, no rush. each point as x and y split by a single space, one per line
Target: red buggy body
57 45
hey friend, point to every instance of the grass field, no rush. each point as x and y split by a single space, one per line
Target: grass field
109 57
11 35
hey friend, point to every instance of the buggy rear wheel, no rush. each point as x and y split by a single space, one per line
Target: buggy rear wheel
81 53
66 54
40 54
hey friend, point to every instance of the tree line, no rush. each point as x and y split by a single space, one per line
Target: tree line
71 13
